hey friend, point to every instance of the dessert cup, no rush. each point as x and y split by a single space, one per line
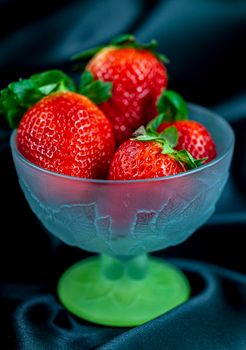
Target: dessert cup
123 221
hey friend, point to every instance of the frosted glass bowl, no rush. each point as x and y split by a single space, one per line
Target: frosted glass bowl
124 220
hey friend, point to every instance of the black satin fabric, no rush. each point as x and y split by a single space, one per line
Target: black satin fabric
205 41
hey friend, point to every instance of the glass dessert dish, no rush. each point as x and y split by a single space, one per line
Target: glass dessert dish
123 221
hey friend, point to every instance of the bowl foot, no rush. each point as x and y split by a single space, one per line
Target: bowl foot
85 291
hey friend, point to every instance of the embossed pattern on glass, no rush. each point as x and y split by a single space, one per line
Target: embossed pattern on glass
133 217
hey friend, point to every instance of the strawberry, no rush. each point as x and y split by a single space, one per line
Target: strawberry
142 160
192 136
64 131
150 155
138 77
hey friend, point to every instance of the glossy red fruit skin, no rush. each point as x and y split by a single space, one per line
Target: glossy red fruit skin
138 79
136 160
193 137
66 133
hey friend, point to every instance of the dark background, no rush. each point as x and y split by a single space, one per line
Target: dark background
206 44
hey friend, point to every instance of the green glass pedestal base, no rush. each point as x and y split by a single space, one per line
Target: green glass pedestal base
120 299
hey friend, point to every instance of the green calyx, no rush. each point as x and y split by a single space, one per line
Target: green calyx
19 96
97 91
173 105
129 40
168 139
124 40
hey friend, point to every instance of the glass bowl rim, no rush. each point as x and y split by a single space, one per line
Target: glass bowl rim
156 179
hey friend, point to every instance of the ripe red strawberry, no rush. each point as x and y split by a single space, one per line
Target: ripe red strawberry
192 136
150 155
63 132
142 160
138 78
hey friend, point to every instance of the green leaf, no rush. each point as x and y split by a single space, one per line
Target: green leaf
167 149
173 105
49 88
25 92
200 161
152 45
96 90
161 57
186 158
86 55
147 138
154 124
86 78
54 76
21 95
144 135
82 58
170 134
10 108
128 40
123 39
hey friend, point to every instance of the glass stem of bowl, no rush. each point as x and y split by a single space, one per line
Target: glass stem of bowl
115 268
